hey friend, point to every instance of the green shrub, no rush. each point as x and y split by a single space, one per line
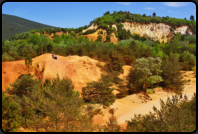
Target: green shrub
11 119
6 57
150 91
99 64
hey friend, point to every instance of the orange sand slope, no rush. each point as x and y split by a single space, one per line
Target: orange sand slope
79 69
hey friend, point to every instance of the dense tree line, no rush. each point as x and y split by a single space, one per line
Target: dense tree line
117 17
182 46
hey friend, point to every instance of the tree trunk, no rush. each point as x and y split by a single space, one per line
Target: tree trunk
145 86
28 67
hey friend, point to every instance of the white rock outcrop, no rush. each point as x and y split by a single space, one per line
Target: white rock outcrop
155 31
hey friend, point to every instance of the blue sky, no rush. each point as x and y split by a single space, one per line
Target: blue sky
77 14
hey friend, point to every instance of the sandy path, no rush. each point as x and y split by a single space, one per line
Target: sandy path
145 108
127 109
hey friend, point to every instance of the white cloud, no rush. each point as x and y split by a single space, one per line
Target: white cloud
149 8
175 4
124 3
169 11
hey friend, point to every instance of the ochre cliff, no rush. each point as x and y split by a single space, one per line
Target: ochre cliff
154 31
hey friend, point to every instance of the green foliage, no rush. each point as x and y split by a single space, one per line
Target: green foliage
4 47
192 18
151 69
133 46
57 39
150 91
11 25
23 85
59 103
112 125
116 61
28 62
89 32
14 54
10 114
99 38
35 39
194 69
99 64
7 57
188 59
99 92
106 13
170 118
28 50
172 78
133 83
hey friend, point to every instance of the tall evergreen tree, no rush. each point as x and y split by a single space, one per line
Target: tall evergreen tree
192 18
154 14
172 78
99 92
23 86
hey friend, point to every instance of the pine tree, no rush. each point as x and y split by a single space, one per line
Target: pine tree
99 92
23 85
57 108
172 78
154 14
150 68
10 114
116 62
112 125
192 18
28 62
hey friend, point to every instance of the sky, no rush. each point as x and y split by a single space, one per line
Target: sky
77 14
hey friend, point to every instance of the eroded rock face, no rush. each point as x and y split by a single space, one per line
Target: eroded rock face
94 36
155 31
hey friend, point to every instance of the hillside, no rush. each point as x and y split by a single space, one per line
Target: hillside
126 25
114 27
12 25
158 32
82 70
